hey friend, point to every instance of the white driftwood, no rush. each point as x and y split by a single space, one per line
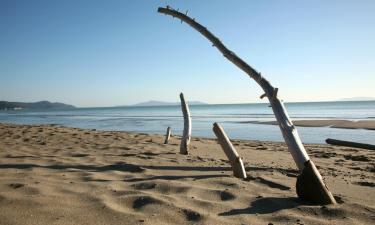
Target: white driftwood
167 135
287 128
230 152
186 135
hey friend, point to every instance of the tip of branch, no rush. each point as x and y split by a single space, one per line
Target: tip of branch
263 95
164 10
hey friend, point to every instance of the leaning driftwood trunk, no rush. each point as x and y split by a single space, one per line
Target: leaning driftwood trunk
230 151
350 144
167 135
287 128
186 135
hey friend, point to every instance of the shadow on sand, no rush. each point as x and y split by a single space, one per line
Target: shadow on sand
127 167
123 167
265 206
133 168
260 206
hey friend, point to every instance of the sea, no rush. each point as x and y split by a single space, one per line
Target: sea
234 118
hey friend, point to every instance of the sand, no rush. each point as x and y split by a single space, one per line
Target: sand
58 175
345 124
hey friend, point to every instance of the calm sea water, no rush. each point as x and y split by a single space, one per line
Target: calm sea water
156 119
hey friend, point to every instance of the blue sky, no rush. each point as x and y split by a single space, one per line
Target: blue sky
105 53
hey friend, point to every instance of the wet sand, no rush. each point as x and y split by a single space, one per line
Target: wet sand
59 175
345 124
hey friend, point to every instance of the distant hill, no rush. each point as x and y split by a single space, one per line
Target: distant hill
159 103
357 99
4 105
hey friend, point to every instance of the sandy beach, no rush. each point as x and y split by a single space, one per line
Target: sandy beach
59 175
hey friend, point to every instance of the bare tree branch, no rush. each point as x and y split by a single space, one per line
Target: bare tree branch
320 192
287 128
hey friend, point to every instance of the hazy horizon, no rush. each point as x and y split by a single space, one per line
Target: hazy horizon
100 54
197 102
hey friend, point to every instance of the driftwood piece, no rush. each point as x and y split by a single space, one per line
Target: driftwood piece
186 135
287 128
350 144
167 135
230 152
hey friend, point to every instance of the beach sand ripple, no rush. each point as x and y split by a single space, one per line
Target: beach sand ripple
59 175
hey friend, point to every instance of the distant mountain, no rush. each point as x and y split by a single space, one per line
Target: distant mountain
357 99
4 105
159 103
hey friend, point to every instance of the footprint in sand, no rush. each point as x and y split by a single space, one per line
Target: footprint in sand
226 196
150 153
79 155
144 185
16 185
191 215
361 158
366 184
143 201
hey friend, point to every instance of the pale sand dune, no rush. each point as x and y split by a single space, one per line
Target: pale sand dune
58 175
346 124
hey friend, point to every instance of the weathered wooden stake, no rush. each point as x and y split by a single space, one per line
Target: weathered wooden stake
287 128
186 135
167 135
230 151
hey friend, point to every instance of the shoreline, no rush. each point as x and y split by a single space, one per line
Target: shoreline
299 123
342 124
55 174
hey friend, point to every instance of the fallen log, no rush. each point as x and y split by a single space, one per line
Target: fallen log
287 128
229 150
186 135
167 135
350 144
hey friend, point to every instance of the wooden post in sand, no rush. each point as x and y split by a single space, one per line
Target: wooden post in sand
230 151
167 135
186 135
290 134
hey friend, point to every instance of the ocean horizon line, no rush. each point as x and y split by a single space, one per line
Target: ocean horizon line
218 104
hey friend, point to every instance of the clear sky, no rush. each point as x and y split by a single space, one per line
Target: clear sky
106 53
